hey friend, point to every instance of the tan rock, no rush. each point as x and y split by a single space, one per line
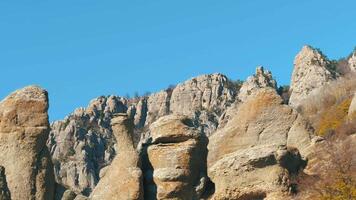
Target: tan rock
24 130
123 179
246 158
178 159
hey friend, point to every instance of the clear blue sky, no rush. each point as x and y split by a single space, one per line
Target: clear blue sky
81 49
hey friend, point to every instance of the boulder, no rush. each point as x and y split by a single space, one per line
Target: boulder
24 130
123 178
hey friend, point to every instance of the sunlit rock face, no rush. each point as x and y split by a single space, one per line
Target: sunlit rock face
24 130
311 71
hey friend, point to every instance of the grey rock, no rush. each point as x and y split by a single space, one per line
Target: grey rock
312 70
261 79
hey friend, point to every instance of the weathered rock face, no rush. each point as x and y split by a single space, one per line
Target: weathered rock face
176 160
312 70
24 130
261 79
4 190
246 158
83 143
123 178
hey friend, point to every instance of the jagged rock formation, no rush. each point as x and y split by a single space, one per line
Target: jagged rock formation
4 190
251 148
123 179
312 70
83 143
175 166
24 130
261 79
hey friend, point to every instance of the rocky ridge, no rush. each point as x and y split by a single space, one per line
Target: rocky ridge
207 138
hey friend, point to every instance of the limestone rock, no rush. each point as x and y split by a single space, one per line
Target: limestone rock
4 190
312 70
176 162
204 99
123 179
24 130
261 79
83 143
158 105
245 157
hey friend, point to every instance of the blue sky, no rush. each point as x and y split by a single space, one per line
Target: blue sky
82 49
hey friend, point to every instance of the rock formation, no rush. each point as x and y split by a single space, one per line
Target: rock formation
261 79
123 179
252 147
312 70
83 143
4 190
175 166
24 130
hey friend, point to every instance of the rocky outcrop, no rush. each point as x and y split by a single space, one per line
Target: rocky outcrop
175 166
4 190
204 99
123 178
24 130
312 70
247 158
82 144
261 79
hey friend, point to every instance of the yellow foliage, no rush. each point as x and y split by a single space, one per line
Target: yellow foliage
343 189
334 117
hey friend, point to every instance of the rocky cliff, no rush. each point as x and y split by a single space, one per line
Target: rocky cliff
206 138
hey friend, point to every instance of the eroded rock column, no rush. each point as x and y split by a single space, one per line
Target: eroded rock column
177 157
123 178
24 130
